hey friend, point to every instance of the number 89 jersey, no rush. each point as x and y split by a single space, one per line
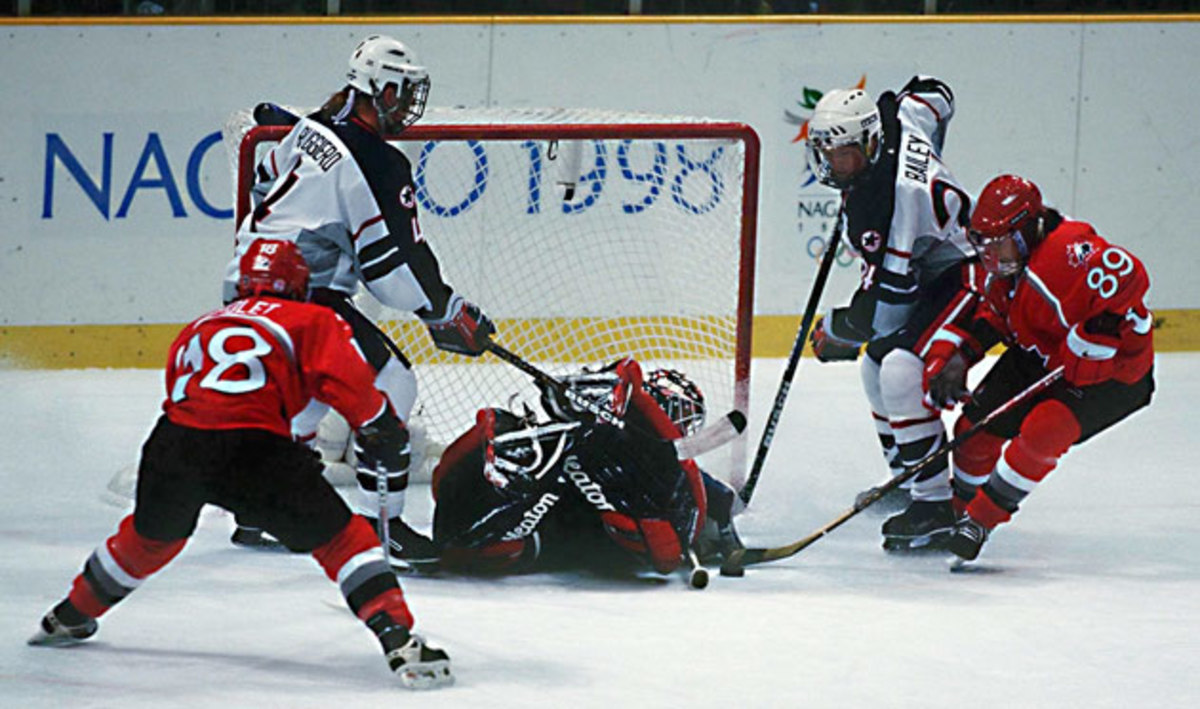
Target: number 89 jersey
1079 297
257 362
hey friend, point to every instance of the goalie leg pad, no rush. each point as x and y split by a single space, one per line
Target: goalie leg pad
654 539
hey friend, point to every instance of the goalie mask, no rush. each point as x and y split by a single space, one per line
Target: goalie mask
379 62
679 397
845 136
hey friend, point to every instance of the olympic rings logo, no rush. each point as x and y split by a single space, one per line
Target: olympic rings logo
816 249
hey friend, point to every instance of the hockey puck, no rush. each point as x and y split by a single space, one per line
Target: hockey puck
698 578
734 570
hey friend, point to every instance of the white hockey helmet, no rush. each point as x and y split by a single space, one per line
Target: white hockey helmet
379 61
844 117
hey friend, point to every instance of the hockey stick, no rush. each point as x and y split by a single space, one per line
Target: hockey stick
789 372
711 437
744 557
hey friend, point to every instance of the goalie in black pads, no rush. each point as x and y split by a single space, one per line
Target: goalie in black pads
515 494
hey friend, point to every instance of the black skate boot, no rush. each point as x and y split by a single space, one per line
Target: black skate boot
923 526
64 625
968 539
418 665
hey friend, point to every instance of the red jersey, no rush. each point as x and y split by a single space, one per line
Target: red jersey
1078 297
257 362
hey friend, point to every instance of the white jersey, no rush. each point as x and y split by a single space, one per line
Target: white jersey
346 198
907 217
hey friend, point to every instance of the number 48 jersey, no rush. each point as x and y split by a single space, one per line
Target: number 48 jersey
1079 298
257 362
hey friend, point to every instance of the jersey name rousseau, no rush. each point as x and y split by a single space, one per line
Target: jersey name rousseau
257 362
1072 279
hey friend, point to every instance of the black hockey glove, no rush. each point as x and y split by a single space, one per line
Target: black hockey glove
831 348
462 329
381 444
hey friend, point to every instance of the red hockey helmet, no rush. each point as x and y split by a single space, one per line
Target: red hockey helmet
273 267
1006 223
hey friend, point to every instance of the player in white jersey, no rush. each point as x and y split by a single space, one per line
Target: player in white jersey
346 197
905 215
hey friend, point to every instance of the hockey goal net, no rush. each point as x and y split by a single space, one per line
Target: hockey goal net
586 236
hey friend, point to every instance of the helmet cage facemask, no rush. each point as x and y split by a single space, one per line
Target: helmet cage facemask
986 245
822 142
411 96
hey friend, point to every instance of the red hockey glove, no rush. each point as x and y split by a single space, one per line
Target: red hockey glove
1089 361
463 329
945 376
831 348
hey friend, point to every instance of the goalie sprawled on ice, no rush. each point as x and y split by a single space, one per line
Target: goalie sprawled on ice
516 494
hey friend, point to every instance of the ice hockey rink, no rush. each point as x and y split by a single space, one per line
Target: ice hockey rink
1091 598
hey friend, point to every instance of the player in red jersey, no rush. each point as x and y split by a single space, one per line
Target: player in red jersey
1056 294
235 378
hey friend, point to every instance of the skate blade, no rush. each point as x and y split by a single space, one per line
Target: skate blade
426 675
43 639
933 541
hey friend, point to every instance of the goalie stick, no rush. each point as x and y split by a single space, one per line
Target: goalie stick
708 438
744 557
789 372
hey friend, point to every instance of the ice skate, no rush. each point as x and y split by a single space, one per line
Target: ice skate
923 526
967 539
418 665
63 626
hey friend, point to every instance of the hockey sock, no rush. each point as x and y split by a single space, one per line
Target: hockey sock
976 457
118 567
984 510
354 559
1046 434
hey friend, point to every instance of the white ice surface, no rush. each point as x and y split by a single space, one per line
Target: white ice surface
1091 598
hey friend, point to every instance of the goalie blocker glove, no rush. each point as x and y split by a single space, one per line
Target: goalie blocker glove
462 329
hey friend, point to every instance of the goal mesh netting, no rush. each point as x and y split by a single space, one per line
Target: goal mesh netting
586 236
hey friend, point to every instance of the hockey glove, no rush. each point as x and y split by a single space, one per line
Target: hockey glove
945 376
463 329
381 444
1089 358
831 348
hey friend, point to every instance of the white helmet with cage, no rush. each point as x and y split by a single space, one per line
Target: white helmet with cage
379 61
844 117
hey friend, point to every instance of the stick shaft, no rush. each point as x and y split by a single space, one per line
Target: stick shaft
789 372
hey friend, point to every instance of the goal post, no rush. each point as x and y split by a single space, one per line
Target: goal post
586 236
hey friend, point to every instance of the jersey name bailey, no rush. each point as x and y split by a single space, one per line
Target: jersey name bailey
916 159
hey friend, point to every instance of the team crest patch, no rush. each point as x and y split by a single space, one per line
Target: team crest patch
871 241
1079 253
